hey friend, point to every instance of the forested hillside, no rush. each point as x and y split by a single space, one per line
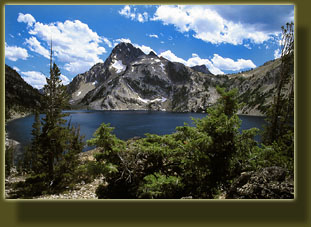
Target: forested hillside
20 97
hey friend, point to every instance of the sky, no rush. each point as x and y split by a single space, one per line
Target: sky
225 38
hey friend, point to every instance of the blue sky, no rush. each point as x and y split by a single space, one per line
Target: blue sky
226 38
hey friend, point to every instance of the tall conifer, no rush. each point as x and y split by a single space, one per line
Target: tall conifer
280 127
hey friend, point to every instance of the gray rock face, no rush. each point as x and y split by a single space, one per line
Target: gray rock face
202 69
268 183
256 87
132 80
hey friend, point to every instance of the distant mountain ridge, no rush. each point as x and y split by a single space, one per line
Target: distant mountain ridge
129 79
20 97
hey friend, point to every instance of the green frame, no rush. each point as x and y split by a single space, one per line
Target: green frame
182 212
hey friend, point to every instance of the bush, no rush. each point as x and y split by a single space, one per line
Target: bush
35 185
159 186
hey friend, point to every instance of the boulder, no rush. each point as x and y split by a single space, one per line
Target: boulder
267 183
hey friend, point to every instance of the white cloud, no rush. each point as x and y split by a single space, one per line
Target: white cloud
35 45
229 64
128 13
78 66
145 15
144 48
208 25
14 53
107 41
38 79
173 15
16 69
215 65
153 36
26 18
74 43
121 40
277 53
141 18
193 61
34 78
169 55
196 60
64 79
247 46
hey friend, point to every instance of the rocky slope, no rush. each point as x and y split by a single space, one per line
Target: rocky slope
132 80
256 87
20 97
267 183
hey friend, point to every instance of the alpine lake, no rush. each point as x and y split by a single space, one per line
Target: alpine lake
127 124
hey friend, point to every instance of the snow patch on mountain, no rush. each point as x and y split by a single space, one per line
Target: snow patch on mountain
152 100
119 67
162 67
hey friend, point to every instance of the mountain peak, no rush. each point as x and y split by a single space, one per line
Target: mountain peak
125 47
152 54
202 69
126 52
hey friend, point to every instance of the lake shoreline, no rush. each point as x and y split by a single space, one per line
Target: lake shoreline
127 124
17 116
176 112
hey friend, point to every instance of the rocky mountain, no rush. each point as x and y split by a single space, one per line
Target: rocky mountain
202 69
20 97
129 79
256 87
132 80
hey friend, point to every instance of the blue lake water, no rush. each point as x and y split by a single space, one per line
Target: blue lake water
127 124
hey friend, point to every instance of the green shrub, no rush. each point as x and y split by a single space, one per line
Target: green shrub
159 186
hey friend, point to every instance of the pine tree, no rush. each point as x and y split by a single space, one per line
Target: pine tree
278 136
53 135
35 144
9 159
281 112
221 124
55 145
30 161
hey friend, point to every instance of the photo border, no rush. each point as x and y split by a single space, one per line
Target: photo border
182 212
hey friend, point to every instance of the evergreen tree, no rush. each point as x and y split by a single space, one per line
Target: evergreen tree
34 148
281 113
30 161
59 144
278 136
9 159
53 135
216 152
53 152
